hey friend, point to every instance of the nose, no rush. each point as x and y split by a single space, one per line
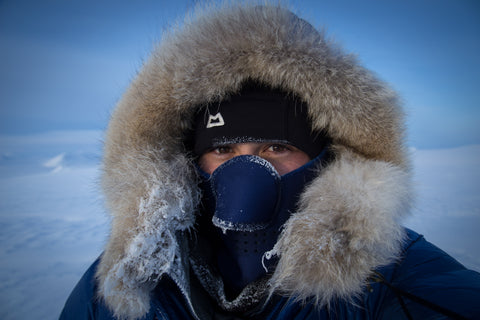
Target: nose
248 149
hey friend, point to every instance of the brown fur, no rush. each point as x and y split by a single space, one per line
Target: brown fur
348 221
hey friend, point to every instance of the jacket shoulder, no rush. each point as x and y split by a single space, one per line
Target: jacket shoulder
432 281
82 302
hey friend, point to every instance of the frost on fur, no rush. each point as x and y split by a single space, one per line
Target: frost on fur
347 225
153 249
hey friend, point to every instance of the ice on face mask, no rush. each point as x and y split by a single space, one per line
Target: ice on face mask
249 202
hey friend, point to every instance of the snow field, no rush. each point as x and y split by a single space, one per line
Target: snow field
53 225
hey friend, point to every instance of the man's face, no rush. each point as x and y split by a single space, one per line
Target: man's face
283 157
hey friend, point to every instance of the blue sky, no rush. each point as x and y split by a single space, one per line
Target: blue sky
64 64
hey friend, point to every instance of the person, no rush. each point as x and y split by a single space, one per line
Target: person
256 171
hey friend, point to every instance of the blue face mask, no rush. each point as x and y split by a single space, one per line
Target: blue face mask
249 202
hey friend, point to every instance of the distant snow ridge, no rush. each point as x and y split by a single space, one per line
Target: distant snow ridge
55 163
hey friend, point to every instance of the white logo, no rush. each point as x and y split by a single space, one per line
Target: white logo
215 121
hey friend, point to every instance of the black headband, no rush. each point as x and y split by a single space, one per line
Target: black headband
257 114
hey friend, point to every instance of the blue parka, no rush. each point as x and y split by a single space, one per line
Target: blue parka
426 283
348 221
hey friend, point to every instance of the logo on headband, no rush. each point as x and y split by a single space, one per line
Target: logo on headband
215 121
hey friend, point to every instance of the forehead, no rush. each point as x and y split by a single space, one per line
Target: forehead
256 114
241 119
245 141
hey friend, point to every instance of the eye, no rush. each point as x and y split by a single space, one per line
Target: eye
278 148
222 149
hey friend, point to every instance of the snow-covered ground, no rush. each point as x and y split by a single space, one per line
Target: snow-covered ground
52 224
51 219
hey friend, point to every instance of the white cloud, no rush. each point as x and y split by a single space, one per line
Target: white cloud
55 163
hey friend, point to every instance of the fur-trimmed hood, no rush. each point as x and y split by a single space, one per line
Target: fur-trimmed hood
347 223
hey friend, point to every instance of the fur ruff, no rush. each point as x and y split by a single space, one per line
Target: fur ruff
348 221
